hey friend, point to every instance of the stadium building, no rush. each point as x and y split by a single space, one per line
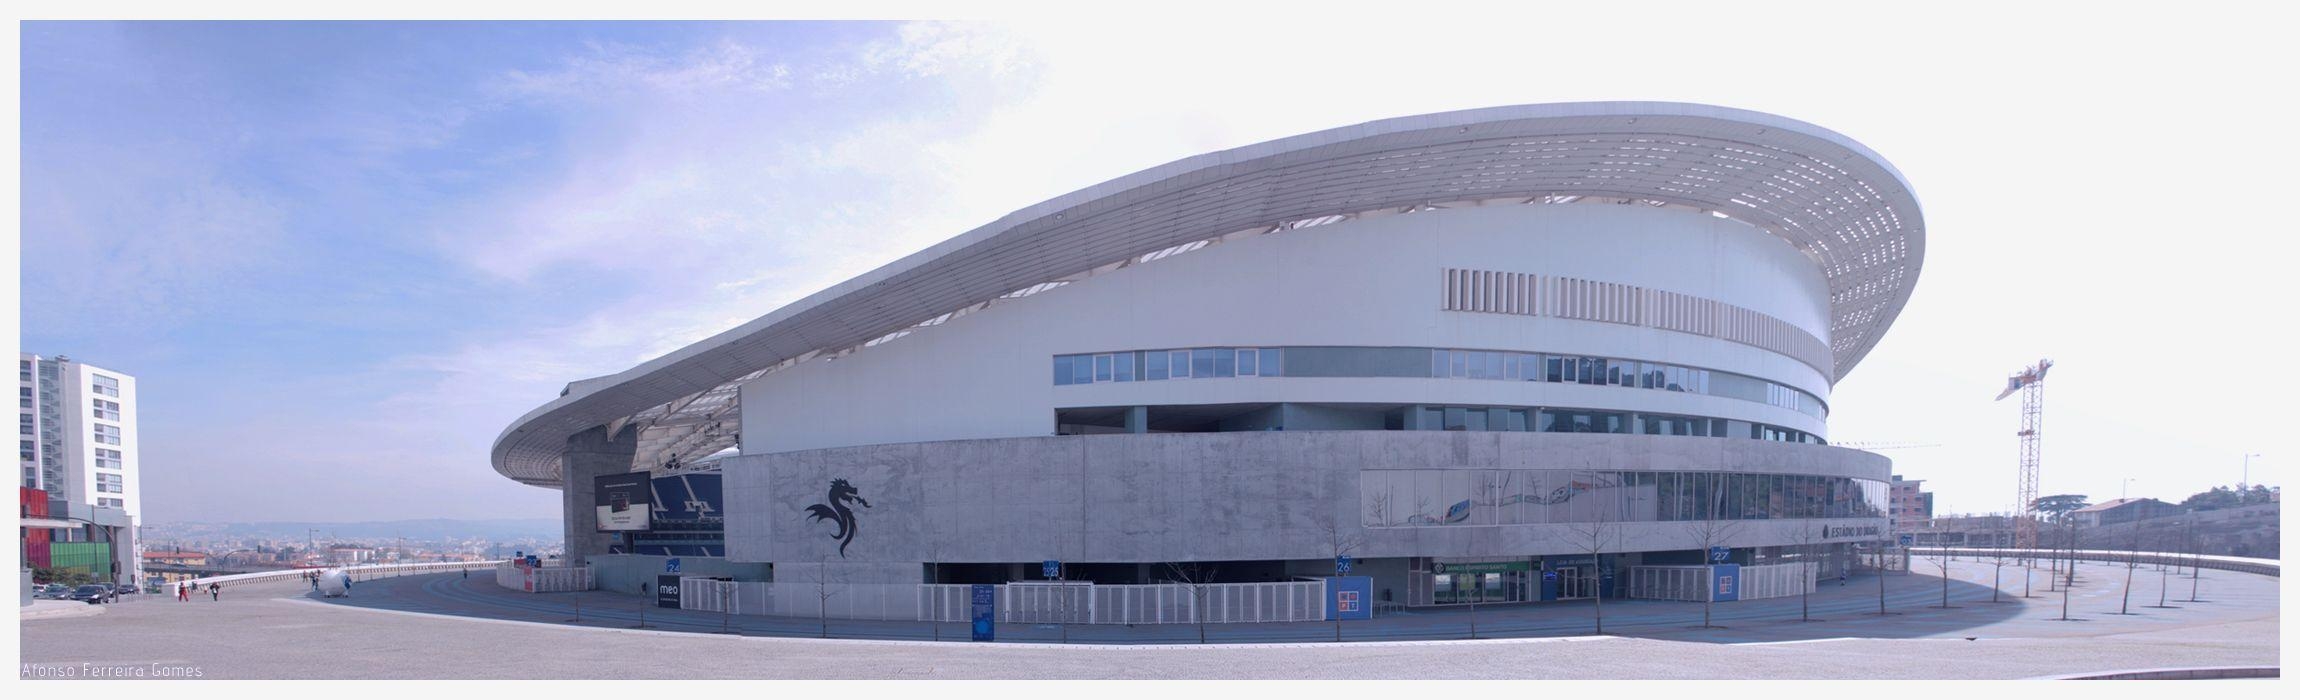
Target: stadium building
1518 353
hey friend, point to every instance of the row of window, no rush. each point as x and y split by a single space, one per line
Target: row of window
112 502
1470 497
107 434
107 410
1569 420
106 386
110 483
107 459
1606 371
1155 365
1442 363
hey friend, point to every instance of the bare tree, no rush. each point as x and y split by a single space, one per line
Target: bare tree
1339 541
2071 583
1195 577
1707 534
2000 558
1941 557
1809 538
823 593
2131 562
1378 507
1594 538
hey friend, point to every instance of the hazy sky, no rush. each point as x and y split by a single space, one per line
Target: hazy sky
341 257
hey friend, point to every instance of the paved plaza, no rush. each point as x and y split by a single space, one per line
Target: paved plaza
448 626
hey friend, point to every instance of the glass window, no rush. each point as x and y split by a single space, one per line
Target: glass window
1456 418
1246 362
1493 365
1225 362
1061 370
1460 364
1101 368
1122 367
1202 362
1439 364
1155 367
1270 365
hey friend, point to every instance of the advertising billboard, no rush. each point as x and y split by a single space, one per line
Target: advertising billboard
623 500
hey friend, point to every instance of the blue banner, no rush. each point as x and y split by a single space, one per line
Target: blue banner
985 612
1725 582
1350 598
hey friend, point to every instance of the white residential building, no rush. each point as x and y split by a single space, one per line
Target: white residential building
77 436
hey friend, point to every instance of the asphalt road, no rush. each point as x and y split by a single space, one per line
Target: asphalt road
445 626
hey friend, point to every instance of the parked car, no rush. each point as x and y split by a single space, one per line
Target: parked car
92 594
54 591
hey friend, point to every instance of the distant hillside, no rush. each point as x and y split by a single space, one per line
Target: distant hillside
427 529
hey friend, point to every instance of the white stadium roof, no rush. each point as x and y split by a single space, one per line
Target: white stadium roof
1843 205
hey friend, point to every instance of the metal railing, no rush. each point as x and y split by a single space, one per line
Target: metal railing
2265 567
370 571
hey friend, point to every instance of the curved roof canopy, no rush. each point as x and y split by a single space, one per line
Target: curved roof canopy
1843 205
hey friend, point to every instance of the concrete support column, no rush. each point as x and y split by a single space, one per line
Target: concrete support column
590 454
1138 419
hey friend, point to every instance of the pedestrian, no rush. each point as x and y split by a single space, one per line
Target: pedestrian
467 573
215 592
314 578
1840 579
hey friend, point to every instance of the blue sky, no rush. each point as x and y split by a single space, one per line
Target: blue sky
341 257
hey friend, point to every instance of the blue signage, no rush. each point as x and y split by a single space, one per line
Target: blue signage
1350 598
1051 568
1341 564
985 612
671 565
1720 553
1907 540
1725 582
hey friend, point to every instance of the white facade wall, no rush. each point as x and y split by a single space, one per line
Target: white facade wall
80 474
81 442
1377 281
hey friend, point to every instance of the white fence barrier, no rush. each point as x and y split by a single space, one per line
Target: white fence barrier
542 579
1153 604
845 601
1691 583
1778 580
1668 582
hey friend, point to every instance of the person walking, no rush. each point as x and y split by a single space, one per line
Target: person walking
215 592
314 578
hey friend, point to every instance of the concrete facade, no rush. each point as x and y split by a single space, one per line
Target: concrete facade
591 454
1370 282
1203 497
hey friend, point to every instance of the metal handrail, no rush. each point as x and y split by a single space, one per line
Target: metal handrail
2266 567
369 569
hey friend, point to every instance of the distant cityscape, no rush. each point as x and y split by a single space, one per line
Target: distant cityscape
177 551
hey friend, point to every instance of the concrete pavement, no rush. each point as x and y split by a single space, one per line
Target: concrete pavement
443 626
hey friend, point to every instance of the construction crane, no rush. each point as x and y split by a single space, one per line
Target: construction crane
2030 382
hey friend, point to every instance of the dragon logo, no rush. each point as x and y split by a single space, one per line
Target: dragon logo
836 511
